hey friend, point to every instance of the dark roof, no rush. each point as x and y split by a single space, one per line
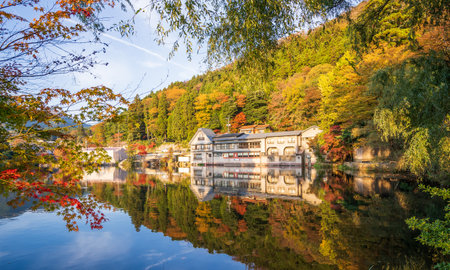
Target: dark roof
236 137
243 136
284 133
208 132
227 135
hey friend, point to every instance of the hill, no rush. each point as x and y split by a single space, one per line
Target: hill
323 77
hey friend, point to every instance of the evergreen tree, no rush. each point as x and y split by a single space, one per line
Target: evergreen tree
163 113
255 108
136 126
214 122
182 122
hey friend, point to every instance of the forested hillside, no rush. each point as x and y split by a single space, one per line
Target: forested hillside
390 91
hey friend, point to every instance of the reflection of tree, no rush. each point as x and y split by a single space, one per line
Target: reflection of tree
375 232
278 234
297 226
203 217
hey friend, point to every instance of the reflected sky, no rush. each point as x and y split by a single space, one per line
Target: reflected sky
274 218
39 240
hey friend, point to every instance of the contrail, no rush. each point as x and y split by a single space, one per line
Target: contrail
147 51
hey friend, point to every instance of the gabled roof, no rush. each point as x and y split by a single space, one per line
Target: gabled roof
312 127
208 132
248 127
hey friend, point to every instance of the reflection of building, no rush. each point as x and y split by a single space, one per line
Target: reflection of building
167 176
247 181
366 183
277 148
107 174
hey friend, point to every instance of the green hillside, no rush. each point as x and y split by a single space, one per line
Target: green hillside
378 86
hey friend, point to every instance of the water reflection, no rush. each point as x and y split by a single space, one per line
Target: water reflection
265 218
275 218
106 174
253 181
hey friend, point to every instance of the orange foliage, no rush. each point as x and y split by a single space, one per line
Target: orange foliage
238 121
240 100
172 95
221 97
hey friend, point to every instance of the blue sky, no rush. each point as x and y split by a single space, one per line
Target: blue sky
136 64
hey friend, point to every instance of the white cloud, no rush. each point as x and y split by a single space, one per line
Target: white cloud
92 247
3 254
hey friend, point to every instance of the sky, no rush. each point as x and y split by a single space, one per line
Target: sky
135 64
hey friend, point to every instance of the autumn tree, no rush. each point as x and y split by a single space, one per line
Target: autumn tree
238 121
34 120
337 144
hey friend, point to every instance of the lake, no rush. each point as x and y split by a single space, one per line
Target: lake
228 218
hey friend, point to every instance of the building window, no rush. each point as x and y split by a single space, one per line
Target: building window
228 155
198 172
289 151
201 138
243 145
272 151
280 141
255 144
291 140
198 157
270 141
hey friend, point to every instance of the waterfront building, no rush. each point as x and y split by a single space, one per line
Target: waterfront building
285 148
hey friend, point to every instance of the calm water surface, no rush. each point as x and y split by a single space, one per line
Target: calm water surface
228 218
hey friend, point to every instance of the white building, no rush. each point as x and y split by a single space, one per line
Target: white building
285 148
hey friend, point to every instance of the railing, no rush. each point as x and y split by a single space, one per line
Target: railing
287 158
